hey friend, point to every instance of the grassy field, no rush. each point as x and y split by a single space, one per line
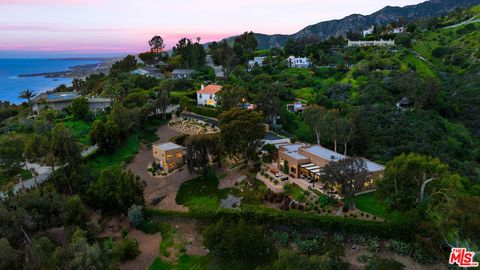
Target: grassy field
295 192
124 153
201 191
185 262
369 204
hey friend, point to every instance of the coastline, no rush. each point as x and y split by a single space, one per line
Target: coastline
79 71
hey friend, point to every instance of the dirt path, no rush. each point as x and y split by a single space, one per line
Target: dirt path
149 247
155 186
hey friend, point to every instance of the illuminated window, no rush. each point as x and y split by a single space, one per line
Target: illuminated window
171 165
169 156
179 155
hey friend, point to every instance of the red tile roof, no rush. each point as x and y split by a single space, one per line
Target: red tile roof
210 89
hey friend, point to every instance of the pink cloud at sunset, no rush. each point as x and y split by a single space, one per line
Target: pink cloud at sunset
126 26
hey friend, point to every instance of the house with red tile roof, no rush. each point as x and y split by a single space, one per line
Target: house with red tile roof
208 95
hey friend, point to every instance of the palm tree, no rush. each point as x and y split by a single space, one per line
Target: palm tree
28 95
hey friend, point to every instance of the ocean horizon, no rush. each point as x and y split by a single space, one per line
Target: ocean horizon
11 84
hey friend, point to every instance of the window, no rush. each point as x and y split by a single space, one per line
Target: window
179 154
169 156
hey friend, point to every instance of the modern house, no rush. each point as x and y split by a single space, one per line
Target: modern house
298 62
306 162
178 74
148 71
207 95
168 155
256 61
369 31
370 43
296 107
61 100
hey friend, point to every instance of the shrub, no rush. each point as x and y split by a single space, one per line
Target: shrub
135 215
282 237
124 231
398 247
126 249
345 208
384 263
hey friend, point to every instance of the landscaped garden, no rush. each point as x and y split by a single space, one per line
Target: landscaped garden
192 126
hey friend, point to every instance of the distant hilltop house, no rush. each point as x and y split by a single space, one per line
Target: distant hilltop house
296 107
298 62
178 74
256 61
208 95
368 43
168 155
398 30
369 31
148 71
61 100
306 162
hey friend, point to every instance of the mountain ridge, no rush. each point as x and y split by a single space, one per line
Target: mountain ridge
357 22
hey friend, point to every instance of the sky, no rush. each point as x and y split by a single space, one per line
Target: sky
37 28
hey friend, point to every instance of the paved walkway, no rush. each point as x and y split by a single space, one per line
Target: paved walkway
472 20
43 174
159 186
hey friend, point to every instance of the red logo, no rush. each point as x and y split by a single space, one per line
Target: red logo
462 257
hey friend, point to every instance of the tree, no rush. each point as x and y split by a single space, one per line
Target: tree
200 150
231 96
11 155
315 117
127 64
9 257
80 108
192 54
156 44
79 254
268 102
242 132
121 117
28 95
79 85
407 178
348 174
64 147
163 96
105 135
115 191
75 213
238 242
42 256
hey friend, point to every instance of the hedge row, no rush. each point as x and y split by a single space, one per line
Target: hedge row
263 215
191 105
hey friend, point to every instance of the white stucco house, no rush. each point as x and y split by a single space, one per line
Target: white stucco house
369 31
298 62
256 61
208 95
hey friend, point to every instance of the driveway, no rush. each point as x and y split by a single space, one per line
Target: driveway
159 186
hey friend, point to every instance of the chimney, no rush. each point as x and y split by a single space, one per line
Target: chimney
202 87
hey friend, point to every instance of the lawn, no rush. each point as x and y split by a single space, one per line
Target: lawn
295 192
370 204
185 262
125 153
200 192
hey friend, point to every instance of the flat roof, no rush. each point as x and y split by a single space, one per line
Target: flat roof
295 155
324 153
292 147
169 146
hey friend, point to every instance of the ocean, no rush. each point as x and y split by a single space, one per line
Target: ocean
11 85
